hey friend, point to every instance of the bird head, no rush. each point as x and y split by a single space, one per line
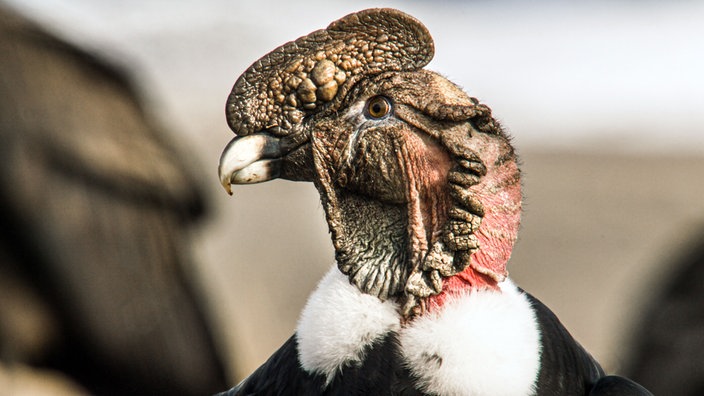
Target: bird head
419 183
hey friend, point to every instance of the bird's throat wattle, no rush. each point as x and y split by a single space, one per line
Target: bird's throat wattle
500 193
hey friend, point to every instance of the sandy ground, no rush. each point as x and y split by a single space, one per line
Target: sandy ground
598 233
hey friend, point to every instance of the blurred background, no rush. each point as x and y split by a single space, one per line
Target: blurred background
604 100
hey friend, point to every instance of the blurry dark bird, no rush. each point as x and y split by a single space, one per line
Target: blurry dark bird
669 341
96 205
422 195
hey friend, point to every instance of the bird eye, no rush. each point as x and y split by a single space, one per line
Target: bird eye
378 107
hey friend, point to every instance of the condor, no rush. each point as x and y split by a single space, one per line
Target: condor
422 194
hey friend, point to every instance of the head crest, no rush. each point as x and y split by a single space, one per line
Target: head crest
299 77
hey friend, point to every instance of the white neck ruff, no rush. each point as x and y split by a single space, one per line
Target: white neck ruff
480 343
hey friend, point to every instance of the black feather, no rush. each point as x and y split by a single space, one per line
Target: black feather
381 372
566 368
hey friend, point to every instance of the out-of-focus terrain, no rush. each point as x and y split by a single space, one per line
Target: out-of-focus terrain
604 102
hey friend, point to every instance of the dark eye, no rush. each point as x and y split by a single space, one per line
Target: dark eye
378 107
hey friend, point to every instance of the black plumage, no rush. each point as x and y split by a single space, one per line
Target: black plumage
380 373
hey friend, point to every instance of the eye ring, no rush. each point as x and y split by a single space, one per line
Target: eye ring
378 107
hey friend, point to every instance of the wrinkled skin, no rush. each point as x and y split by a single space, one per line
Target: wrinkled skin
417 165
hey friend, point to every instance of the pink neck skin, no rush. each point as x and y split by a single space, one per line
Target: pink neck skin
500 193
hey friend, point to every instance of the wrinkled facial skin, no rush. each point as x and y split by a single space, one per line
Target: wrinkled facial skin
366 152
400 164
403 159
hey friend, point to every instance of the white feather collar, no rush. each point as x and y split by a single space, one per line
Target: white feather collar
481 343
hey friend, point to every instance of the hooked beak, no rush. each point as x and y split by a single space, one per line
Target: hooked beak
260 157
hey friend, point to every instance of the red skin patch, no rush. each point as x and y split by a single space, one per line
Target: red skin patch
500 193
